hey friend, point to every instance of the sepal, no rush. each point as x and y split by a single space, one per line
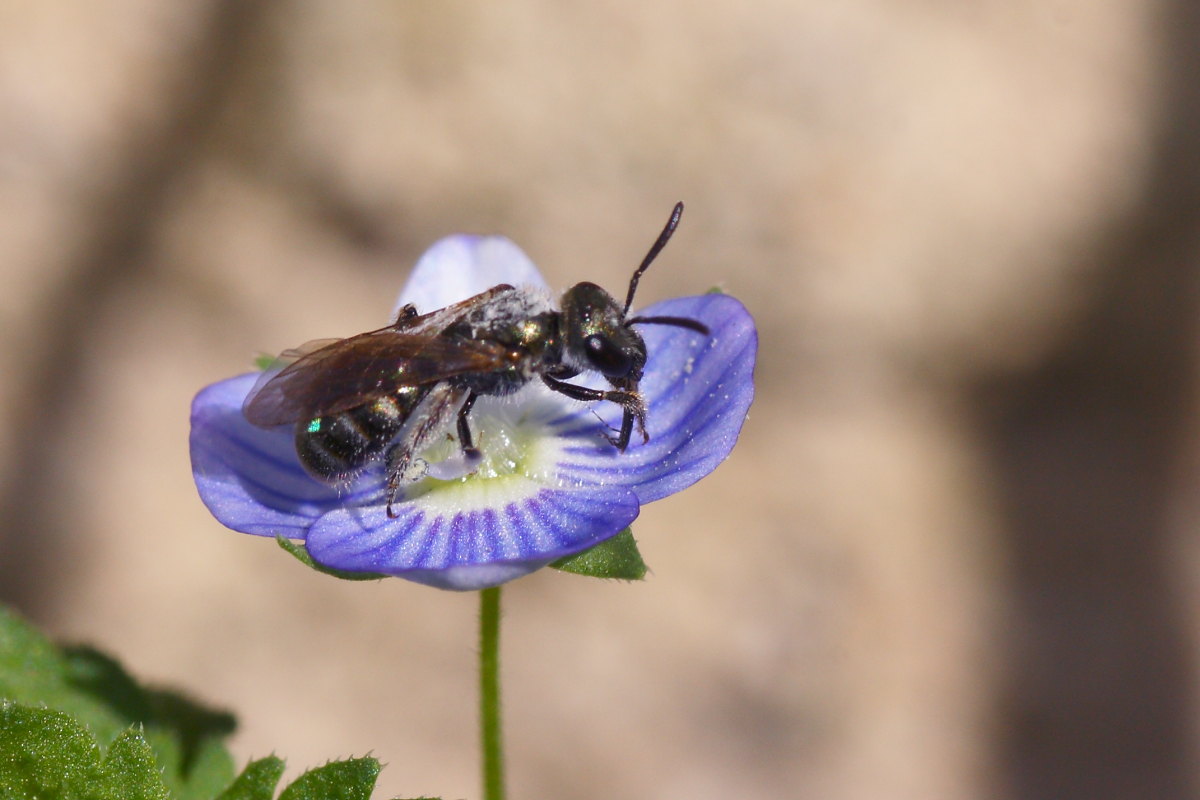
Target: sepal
616 558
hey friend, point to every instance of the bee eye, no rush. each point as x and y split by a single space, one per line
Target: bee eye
606 357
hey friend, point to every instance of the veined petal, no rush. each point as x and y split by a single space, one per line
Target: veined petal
697 389
516 514
249 477
462 266
488 535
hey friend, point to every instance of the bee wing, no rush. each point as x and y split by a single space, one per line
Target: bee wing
323 377
437 321
272 370
291 356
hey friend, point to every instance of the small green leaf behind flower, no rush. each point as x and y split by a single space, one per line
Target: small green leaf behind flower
264 362
617 558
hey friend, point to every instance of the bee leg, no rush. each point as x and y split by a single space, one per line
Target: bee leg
464 429
402 468
632 414
393 490
631 402
423 427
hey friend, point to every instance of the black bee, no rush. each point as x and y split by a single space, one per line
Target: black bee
389 393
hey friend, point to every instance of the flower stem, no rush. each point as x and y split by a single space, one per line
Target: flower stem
489 694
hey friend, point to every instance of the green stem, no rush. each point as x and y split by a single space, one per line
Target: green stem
489 694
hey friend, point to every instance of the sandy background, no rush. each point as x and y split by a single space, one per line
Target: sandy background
955 552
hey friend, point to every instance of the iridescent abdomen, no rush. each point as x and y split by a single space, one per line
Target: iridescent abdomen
335 447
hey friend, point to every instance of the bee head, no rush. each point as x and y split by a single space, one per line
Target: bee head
597 332
597 338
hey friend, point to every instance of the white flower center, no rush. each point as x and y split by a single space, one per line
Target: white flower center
519 452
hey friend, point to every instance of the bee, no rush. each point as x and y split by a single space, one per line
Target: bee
387 394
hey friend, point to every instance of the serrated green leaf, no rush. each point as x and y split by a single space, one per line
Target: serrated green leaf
185 736
130 771
257 781
617 558
46 753
352 779
103 699
172 750
43 753
301 554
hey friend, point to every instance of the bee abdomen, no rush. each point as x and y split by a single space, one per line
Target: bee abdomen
336 446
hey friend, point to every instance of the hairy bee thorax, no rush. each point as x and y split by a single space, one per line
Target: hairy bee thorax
521 319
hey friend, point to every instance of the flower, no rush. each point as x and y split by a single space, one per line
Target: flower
549 485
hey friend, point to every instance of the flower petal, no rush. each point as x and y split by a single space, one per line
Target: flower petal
698 390
461 266
250 478
491 531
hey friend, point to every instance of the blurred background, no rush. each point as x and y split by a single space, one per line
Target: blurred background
955 553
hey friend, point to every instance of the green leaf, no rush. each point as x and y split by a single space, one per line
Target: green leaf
100 697
46 753
617 557
352 779
109 738
42 752
301 554
257 781
130 770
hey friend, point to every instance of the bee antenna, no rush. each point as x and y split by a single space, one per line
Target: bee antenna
679 322
655 249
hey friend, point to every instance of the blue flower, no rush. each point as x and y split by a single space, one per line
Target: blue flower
550 484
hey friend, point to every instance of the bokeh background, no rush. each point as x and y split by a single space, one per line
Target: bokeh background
955 554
